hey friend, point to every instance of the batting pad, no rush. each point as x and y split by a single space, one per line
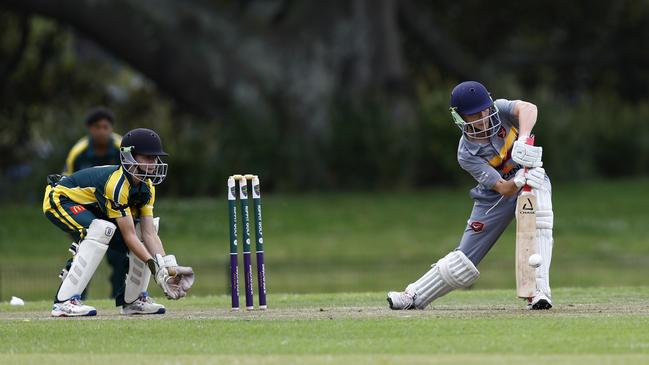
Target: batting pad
91 250
139 275
544 225
453 271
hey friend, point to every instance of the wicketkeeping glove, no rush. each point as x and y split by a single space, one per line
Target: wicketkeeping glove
164 279
182 276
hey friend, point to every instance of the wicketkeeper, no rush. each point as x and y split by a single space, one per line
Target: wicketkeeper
493 150
98 148
111 206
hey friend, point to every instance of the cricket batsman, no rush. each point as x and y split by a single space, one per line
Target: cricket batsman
493 150
111 206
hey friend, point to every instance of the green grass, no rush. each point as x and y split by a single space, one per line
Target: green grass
594 326
346 242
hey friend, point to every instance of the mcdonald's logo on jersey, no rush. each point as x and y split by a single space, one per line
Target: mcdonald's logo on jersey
76 209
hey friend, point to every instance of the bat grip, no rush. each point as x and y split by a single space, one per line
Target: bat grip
530 141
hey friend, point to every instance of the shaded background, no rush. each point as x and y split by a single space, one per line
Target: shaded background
323 98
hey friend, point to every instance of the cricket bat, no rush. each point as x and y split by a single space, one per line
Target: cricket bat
525 240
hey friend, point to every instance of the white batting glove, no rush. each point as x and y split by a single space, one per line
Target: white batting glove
535 177
519 178
527 155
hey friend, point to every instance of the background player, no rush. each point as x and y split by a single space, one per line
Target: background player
98 148
100 206
492 149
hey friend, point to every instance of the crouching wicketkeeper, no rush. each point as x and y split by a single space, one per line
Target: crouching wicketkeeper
113 206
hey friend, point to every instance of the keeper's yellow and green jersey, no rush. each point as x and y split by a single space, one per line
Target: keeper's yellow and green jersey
107 191
82 155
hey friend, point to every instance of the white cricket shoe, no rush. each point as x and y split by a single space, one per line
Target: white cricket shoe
400 300
540 301
143 305
73 307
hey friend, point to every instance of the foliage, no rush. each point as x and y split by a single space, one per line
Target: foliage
388 138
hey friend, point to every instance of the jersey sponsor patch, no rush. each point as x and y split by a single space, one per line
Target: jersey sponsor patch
477 226
76 209
502 132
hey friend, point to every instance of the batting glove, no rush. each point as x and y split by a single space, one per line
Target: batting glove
527 155
535 177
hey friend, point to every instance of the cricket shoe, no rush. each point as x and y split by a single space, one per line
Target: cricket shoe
539 302
143 305
400 300
73 307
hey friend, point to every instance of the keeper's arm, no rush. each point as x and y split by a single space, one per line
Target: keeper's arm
127 229
150 237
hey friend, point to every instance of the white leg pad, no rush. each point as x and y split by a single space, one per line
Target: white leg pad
139 275
453 271
544 225
91 250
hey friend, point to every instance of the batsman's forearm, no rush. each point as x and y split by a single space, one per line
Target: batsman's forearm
506 187
527 113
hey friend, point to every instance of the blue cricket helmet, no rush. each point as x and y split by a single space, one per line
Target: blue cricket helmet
471 97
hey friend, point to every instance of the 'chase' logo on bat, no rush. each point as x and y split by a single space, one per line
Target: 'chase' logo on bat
528 207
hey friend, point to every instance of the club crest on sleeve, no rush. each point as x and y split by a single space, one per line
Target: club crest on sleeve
477 226
501 132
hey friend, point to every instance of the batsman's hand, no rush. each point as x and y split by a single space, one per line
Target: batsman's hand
527 155
519 178
535 177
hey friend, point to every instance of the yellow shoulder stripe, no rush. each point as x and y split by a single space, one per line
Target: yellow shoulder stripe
502 154
76 150
117 140
117 188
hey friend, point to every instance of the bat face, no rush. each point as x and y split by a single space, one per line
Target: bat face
525 244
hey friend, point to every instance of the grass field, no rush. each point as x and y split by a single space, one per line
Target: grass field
348 242
354 246
587 325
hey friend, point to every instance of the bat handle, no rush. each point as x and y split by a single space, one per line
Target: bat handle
530 141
